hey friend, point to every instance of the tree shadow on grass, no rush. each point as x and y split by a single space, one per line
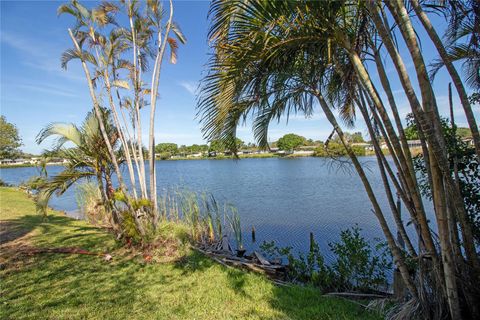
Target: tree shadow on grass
291 302
198 262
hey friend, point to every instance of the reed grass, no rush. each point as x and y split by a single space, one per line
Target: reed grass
204 215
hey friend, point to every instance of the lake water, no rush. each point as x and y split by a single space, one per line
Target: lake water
284 199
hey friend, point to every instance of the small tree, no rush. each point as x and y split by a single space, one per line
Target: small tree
219 146
290 141
170 148
10 140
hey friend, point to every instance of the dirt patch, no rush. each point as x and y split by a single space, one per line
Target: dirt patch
11 231
13 256
14 242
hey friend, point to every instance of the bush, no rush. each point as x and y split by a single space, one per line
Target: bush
336 149
356 267
164 155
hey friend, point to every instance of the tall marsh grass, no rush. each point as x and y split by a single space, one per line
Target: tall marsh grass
201 212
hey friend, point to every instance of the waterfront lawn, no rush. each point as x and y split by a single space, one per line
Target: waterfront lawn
69 286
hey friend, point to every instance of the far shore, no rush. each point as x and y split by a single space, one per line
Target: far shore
222 157
242 156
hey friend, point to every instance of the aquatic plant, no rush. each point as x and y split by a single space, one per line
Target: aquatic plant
201 212
235 224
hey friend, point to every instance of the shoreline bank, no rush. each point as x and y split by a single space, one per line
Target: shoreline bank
53 285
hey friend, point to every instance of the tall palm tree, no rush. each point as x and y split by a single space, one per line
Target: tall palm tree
275 60
86 33
109 70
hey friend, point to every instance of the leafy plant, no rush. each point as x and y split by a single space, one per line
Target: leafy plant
357 266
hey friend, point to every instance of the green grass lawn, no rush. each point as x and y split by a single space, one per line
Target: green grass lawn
69 286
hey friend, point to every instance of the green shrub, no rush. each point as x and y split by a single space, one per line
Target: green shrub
356 266
164 155
336 149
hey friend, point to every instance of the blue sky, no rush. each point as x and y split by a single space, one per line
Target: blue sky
36 91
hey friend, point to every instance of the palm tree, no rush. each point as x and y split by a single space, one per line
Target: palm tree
89 158
105 57
276 58
163 38
468 53
85 31
286 76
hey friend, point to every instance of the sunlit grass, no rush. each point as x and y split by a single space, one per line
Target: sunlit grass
60 286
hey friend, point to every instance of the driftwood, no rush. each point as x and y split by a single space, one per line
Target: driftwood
261 258
274 272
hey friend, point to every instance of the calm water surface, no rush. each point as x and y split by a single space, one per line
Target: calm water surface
284 199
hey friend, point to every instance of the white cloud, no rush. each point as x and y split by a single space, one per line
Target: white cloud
42 55
190 86
49 90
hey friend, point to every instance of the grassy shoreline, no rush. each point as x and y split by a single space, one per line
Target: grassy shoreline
69 286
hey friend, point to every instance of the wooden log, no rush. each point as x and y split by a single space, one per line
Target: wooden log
261 258
274 272
226 244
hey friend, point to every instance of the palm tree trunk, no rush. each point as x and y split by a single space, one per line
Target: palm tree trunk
385 33
398 258
153 100
121 135
105 201
434 135
445 245
422 16
388 191
99 116
423 224
136 117
393 106
131 145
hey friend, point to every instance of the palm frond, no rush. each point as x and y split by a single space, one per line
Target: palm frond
71 54
172 43
178 33
64 131
121 84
